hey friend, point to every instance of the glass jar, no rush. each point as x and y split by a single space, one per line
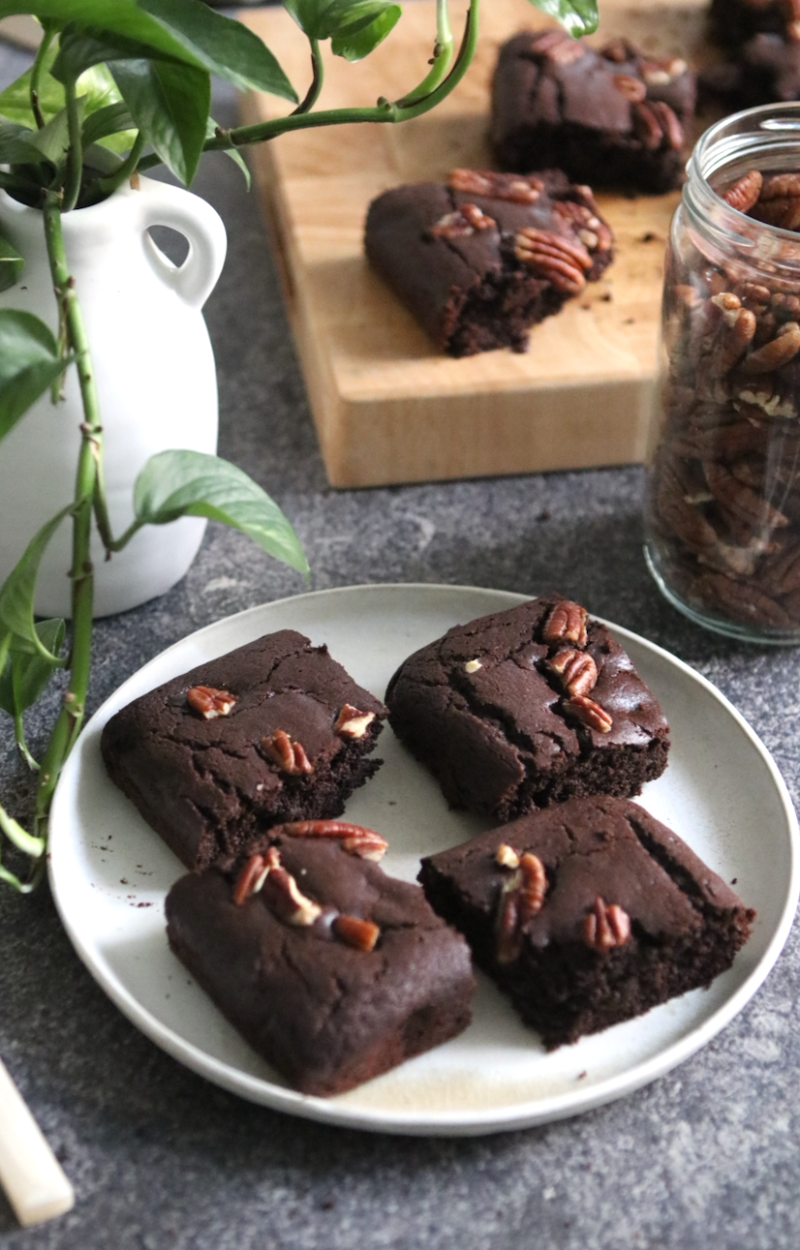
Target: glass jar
722 511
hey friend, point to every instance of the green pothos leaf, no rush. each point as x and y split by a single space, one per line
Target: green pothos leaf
169 104
18 590
28 671
189 483
578 16
29 364
95 87
11 265
361 35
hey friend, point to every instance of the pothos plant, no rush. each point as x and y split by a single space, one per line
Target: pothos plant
118 87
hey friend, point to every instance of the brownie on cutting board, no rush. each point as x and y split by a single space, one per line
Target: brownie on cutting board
482 258
275 730
613 116
588 913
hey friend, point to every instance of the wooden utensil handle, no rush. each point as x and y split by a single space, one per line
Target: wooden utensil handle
29 1171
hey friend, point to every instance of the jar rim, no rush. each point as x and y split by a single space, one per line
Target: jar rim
765 136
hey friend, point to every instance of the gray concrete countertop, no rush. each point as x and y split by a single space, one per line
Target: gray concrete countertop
162 1160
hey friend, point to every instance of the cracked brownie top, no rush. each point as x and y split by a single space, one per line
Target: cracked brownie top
528 706
331 969
273 731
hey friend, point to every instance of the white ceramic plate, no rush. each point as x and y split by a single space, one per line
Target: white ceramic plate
722 792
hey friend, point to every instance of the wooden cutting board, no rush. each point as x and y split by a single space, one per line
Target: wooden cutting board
388 408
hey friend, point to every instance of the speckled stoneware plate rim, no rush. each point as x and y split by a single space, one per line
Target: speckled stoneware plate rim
116 931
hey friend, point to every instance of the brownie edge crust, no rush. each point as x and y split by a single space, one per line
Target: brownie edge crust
526 707
328 1014
273 731
587 914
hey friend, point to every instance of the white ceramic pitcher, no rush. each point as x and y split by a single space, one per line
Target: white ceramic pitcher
155 376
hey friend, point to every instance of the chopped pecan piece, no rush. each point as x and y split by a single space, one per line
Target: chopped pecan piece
507 929
632 88
516 188
566 623
561 261
289 755
533 886
285 898
254 873
576 669
506 856
461 223
660 71
210 702
352 723
520 899
355 839
362 935
251 878
655 124
591 713
606 925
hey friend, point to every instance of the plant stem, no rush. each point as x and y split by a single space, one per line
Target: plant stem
317 79
36 76
70 717
72 185
107 186
441 59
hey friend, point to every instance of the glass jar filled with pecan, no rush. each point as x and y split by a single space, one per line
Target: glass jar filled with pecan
722 512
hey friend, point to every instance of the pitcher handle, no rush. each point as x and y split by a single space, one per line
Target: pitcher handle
199 223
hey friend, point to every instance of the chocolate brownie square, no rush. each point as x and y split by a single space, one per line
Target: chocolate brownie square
734 22
273 731
765 70
333 971
527 707
587 914
610 117
481 259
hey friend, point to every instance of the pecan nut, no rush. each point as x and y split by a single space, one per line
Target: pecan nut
362 935
351 722
210 702
286 900
745 192
288 754
506 856
576 670
461 223
521 898
253 875
516 188
355 839
532 887
606 925
566 623
563 262
633 89
590 713
776 353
